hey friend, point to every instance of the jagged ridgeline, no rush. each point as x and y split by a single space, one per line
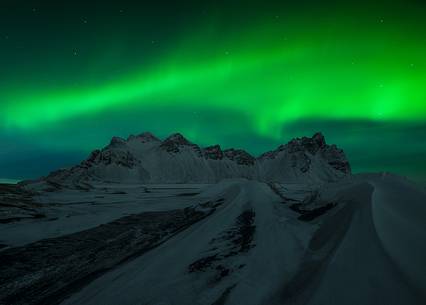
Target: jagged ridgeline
147 159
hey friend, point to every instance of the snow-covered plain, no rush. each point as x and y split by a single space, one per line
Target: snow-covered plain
68 211
360 240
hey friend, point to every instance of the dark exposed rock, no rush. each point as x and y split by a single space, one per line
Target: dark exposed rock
111 156
203 263
336 158
175 142
297 145
178 138
306 144
213 204
117 141
213 152
187 194
285 199
311 214
232 242
94 156
123 158
222 272
245 231
240 156
319 139
268 155
301 161
144 137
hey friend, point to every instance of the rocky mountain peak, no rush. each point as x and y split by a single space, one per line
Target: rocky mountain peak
319 139
176 141
240 156
117 141
300 151
309 144
144 137
213 152
336 158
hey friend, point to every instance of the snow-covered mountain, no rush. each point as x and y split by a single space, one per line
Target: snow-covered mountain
145 158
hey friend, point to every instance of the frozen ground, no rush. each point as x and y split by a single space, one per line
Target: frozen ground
68 211
359 241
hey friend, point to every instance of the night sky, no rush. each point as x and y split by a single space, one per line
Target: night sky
246 74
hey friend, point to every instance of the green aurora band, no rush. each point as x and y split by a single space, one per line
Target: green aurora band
284 82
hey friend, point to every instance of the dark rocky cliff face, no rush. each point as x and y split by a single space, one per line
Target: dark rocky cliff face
240 156
299 150
336 158
175 142
213 152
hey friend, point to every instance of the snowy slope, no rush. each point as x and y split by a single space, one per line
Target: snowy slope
254 249
353 241
147 159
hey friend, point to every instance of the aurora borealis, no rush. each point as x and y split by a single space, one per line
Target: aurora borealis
249 74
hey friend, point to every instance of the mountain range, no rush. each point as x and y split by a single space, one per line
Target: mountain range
144 158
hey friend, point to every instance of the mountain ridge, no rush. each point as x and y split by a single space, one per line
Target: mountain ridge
148 159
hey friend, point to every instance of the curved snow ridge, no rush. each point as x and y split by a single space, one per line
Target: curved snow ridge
316 274
399 215
347 261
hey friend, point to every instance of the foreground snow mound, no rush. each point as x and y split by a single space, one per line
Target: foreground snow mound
145 158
